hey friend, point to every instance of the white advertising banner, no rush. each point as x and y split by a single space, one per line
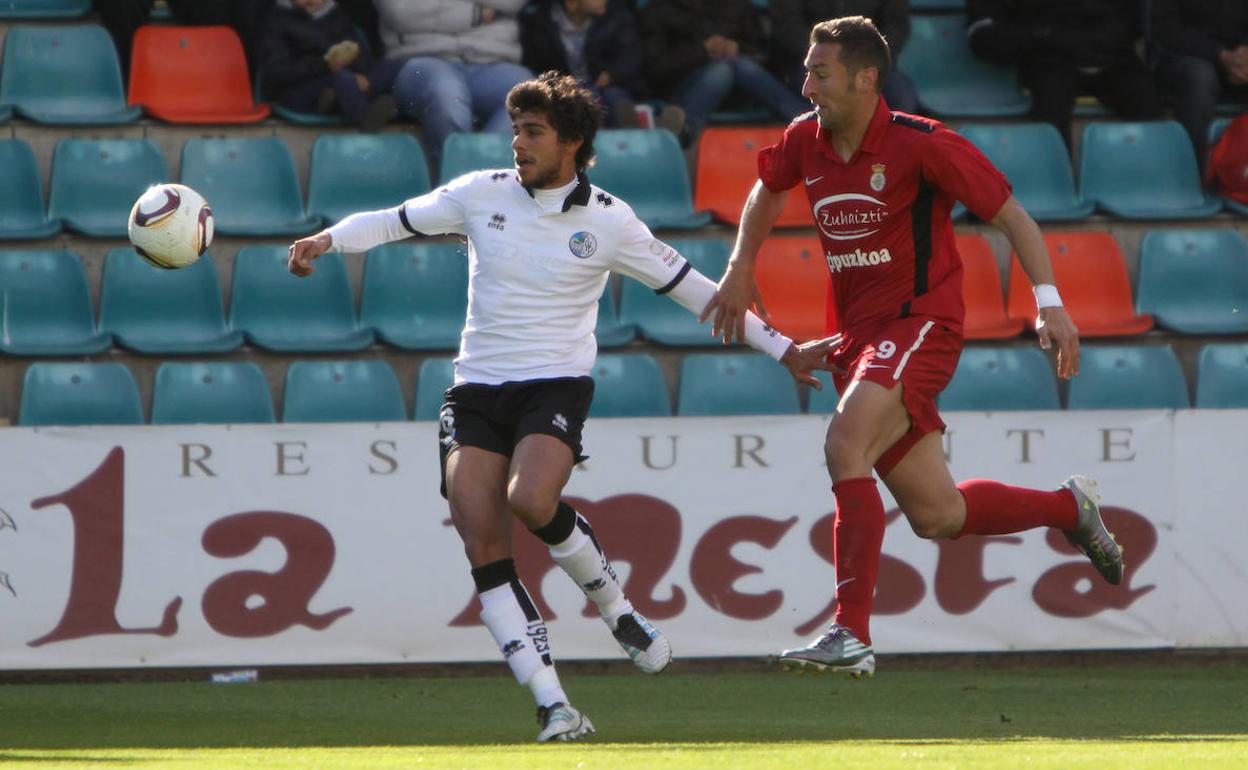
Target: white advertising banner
289 544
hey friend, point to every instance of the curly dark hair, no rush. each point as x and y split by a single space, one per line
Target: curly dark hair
862 45
570 107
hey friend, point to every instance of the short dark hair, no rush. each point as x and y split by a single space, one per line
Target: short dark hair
861 44
571 108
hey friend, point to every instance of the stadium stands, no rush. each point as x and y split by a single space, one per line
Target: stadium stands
65 75
1195 281
647 169
79 394
1001 379
462 153
629 385
432 381
1120 377
47 305
44 9
364 172
793 278
21 196
250 183
416 294
1143 171
952 82
164 59
219 392
660 318
96 181
1035 160
981 289
342 391
1222 377
726 384
728 168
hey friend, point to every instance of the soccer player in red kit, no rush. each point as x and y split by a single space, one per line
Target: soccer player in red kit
881 185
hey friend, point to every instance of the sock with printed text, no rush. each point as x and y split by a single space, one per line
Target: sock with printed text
518 629
857 537
993 508
575 548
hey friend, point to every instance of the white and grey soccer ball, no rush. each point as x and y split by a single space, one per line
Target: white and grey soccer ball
171 225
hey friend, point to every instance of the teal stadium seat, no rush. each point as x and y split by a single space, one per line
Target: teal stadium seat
464 152
416 294
1195 281
647 168
1222 377
436 375
159 312
629 385
727 384
250 183
79 394
364 172
822 401
217 393
611 332
1143 171
923 6
44 9
21 196
64 75
96 181
1136 377
1034 158
1001 379
47 305
659 317
294 116
952 81
342 391
282 312
6 112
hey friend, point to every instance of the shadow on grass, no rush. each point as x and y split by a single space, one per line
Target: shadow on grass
8 756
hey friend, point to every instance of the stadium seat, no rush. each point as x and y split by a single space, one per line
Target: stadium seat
96 181
950 79
924 6
79 394
364 172
728 384
1092 277
793 278
294 116
1222 377
981 291
6 112
1001 379
416 294
1143 171
1195 281
436 375
221 392
728 168
1035 160
158 312
44 9
21 195
629 385
250 183
279 311
66 75
464 152
342 391
1141 377
47 306
822 401
610 331
647 169
164 59
659 317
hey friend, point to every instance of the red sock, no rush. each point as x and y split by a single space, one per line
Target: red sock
856 540
993 508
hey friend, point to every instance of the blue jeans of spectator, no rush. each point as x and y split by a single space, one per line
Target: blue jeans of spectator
611 96
701 92
351 100
1194 86
899 91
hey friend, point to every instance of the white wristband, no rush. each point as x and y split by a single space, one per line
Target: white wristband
1046 296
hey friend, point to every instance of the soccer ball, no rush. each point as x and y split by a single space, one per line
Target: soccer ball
170 225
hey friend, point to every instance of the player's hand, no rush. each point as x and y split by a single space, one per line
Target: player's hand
362 82
737 293
304 250
803 359
1054 327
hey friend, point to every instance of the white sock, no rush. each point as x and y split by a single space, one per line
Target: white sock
521 636
581 557
546 688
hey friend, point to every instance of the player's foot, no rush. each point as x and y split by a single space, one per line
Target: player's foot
837 650
562 722
644 643
1090 535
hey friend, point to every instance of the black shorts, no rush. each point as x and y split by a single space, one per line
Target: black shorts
496 417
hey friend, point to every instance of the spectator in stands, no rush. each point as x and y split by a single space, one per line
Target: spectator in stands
790 37
1064 49
311 60
1202 56
697 52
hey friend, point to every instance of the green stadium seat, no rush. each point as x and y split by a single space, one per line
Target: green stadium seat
342 391
436 375
6 112
364 172
282 312
295 116
1137 377
158 312
66 75
1143 171
923 6
47 305
611 332
647 169
218 393
1222 377
95 182
951 80
1000 380
1195 281
465 152
629 385
1034 158
727 384
659 317
250 183
21 196
44 9
79 394
416 294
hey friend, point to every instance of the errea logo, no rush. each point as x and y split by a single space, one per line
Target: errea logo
497 222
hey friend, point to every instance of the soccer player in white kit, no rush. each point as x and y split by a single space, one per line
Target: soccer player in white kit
541 243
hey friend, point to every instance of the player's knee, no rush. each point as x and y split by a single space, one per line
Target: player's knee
931 529
934 522
532 504
844 456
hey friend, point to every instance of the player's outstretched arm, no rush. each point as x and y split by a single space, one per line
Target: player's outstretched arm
802 360
304 250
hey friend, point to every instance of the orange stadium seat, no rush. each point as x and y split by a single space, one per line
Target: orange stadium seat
192 75
981 289
1092 276
728 168
793 278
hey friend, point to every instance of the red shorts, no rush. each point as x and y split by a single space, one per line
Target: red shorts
915 352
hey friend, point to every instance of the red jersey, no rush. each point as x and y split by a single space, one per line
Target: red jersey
883 216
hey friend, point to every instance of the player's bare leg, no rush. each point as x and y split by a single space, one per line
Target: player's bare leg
925 491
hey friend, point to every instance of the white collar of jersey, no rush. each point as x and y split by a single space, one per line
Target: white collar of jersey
573 193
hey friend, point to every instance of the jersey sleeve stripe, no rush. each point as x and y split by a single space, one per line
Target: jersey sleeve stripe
679 277
403 218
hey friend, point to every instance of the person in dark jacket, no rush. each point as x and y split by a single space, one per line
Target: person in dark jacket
1067 48
790 37
311 60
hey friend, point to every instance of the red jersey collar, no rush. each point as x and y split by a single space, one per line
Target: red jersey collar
870 141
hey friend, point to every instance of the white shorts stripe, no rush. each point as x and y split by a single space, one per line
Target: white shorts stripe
902 364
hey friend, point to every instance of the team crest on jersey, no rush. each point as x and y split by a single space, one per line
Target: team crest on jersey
583 244
877 177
